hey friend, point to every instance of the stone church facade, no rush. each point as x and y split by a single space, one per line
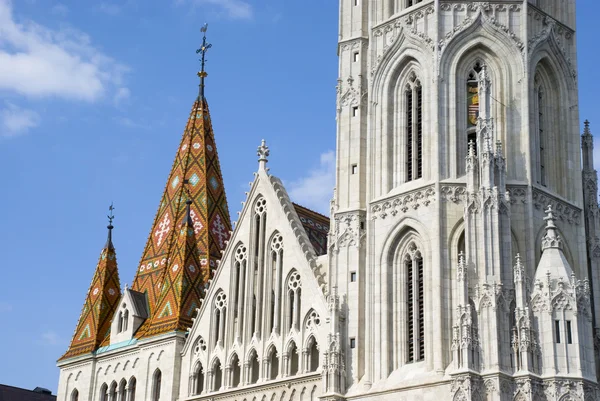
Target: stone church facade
460 260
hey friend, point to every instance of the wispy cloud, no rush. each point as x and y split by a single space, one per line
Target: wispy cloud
316 189
121 96
15 120
50 338
233 9
36 61
5 307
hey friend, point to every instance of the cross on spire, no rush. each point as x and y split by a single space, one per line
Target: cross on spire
111 217
202 50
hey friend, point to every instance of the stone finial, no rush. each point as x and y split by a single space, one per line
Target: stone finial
551 239
262 153
484 78
499 150
519 269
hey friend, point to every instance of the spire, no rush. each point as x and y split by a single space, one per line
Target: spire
551 239
111 217
194 198
203 49
587 148
262 153
553 261
100 304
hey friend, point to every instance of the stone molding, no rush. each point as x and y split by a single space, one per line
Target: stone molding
347 230
562 210
402 203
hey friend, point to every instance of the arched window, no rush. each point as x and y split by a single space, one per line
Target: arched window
239 291
131 390
235 371
293 358
120 328
258 262
217 375
125 319
198 380
254 367
220 308
112 395
122 390
540 126
275 282
473 103
415 319
156 384
294 287
273 364
104 392
75 395
413 97
312 355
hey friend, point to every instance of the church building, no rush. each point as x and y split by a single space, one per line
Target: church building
460 259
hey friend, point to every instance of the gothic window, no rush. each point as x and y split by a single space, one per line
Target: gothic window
198 379
415 319
235 372
131 390
122 390
220 309
253 367
120 328
293 359
156 383
275 282
273 363
104 392
75 395
294 297
125 319
473 103
312 355
540 117
413 95
217 375
113 391
260 218
241 258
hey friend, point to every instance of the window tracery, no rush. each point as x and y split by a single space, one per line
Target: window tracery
415 311
294 292
413 97
220 309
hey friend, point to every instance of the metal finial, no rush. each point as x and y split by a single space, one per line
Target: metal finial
111 217
202 50
188 211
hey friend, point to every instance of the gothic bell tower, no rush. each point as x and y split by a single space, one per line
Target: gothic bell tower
457 127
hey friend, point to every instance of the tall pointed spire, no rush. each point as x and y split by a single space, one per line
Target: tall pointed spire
203 49
100 304
174 294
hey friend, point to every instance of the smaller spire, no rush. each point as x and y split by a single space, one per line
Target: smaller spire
111 217
586 128
262 153
551 239
203 49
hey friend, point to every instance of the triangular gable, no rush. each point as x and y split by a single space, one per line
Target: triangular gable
282 218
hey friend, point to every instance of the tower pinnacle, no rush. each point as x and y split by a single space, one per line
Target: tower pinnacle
262 152
203 49
111 217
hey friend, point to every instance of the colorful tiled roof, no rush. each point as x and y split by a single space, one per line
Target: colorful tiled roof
100 304
178 258
316 226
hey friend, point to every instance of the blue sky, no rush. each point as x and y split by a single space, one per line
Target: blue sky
94 97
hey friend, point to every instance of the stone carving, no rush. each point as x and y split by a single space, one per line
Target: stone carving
353 95
561 210
349 230
403 203
453 193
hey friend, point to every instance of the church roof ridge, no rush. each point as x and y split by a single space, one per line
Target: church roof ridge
100 303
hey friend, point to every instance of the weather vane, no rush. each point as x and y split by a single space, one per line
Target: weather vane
111 216
205 46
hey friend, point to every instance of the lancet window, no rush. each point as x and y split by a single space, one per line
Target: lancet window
234 371
415 311
273 364
198 379
294 300
311 355
220 311
156 385
253 368
239 290
113 391
258 263
122 390
217 375
540 122
473 103
104 392
274 290
413 96
293 360
131 389
75 395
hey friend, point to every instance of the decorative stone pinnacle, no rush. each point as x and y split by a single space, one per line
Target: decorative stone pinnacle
471 152
262 153
586 129
551 239
499 148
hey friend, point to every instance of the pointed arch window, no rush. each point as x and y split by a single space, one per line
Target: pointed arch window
122 390
104 392
75 395
294 300
273 361
415 311
220 309
198 380
217 375
473 103
239 290
253 368
131 389
413 95
156 385
113 391
235 371
540 122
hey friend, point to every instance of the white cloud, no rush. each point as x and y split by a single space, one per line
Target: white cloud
50 338
16 121
316 189
36 61
233 9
